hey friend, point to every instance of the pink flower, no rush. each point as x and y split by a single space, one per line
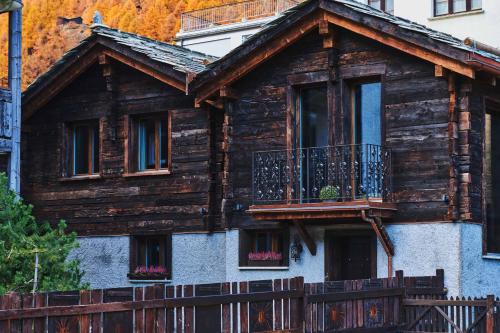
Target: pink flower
265 256
150 270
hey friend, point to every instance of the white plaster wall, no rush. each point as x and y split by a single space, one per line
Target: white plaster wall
312 268
198 258
422 248
480 276
104 260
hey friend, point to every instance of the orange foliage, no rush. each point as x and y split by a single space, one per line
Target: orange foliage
45 40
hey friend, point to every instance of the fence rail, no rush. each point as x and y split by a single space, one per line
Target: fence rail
399 304
233 13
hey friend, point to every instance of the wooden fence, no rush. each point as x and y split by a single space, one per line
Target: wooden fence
400 304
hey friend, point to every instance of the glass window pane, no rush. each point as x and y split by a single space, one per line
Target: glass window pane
389 6
153 255
492 180
375 3
146 145
80 150
367 101
164 144
314 117
476 4
95 150
441 7
459 6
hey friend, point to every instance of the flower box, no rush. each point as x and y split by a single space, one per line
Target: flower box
266 259
148 276
264 263
149 273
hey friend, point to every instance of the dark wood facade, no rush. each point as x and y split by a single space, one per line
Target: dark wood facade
432 103
119 201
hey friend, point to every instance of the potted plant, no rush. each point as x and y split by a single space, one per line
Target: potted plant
149 273
329 193
267 259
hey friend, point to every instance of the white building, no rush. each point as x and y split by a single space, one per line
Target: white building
218 30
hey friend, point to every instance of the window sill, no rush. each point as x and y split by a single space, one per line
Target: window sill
133 281
77 178
263 268
148 173
492 256
443 17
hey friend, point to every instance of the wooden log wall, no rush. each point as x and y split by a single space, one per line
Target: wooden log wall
115 204
416 105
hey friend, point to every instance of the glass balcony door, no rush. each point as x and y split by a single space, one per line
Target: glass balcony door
367 138
313 128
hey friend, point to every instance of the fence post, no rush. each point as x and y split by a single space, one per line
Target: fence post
490 320
400 279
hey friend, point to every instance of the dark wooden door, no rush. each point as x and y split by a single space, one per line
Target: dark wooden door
350 257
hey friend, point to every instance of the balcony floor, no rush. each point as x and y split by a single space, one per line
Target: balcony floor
322 210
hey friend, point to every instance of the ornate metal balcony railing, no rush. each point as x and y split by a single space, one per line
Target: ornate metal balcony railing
233 13
351 172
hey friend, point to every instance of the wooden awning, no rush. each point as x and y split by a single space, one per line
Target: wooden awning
322 210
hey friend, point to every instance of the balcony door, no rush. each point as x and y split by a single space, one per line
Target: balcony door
313 138
366 139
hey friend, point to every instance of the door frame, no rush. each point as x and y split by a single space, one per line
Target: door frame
330 234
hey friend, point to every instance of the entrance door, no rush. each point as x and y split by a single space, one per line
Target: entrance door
350 256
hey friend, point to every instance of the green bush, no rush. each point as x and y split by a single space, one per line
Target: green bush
329 193
21 236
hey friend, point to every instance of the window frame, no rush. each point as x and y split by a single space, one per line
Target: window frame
383 5
451 11
247 241
131 145
134 256
490 105
93 125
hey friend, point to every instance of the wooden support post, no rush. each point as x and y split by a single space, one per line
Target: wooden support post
306 237
490 318
439 71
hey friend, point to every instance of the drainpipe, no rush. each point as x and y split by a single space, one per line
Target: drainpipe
388 251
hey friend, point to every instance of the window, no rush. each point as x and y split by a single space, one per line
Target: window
150 257
367 138
84 148
264 248
491 165
385 5
445 7
151 144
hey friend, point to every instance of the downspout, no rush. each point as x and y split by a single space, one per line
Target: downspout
388 250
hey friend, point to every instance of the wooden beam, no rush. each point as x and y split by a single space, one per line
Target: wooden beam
324 27
147 70
404 46
439 71
257 57
306 237
228 92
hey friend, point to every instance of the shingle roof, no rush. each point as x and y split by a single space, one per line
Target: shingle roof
180 58
409 25
368 10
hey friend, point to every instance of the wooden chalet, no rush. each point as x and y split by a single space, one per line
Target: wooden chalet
113 145
341 117
364 136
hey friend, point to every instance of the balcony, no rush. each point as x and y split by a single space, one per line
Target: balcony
233 13
322 183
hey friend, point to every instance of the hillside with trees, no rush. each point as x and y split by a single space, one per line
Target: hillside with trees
51 27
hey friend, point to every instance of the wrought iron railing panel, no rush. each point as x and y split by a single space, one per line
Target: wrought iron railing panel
348 172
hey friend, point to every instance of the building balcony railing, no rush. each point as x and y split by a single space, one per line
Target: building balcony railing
326 174
233 13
